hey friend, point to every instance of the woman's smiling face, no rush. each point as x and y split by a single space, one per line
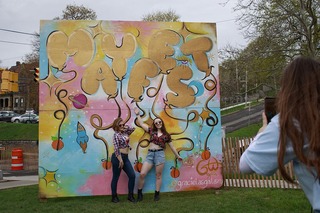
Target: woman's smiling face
157 123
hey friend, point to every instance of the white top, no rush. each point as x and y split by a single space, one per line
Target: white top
261 157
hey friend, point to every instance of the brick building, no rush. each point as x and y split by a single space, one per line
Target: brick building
27 96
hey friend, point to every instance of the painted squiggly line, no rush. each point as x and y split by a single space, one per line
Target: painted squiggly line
64 114
156 95
127 106
213 120
212 87
97 129
140 144
198 136
206 140
156 89
67 81
179 149
194 119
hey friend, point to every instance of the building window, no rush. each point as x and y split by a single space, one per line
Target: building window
6 102
21 102
16 102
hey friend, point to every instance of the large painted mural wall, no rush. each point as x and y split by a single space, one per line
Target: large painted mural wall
92 72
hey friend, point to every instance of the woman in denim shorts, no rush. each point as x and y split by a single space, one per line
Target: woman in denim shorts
158 139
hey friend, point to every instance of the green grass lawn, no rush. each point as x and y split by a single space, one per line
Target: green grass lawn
25 199
246 132
18 131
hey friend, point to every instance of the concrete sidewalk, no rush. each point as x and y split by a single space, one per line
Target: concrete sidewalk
17 179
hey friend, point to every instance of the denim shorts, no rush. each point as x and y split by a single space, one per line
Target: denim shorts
155 158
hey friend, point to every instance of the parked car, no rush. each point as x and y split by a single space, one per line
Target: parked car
26 118
32 119
5 113
7 117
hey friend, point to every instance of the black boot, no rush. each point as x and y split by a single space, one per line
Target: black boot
115 199
140 195
131 198
156 196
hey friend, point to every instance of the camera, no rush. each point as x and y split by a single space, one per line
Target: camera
270 108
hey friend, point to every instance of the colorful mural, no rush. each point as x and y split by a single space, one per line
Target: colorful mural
92 72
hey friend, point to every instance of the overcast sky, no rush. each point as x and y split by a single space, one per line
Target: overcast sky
25 15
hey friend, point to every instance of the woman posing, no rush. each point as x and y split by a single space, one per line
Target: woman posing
158 139
120 160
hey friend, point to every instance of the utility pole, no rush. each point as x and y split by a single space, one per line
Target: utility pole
237 77
246 97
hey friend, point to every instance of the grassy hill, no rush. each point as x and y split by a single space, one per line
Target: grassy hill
18 131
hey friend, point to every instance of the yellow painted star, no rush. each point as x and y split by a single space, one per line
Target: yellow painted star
50 176
204 114
51 80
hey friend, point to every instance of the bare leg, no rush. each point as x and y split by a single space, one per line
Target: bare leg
144 171
159 170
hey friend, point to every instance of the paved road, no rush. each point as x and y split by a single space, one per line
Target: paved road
18 173
11 179
242 118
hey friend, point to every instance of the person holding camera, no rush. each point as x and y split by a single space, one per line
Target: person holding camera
293 134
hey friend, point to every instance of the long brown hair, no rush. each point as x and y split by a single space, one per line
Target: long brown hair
163 127
298 105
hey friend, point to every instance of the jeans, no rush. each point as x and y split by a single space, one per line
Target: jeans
127 168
